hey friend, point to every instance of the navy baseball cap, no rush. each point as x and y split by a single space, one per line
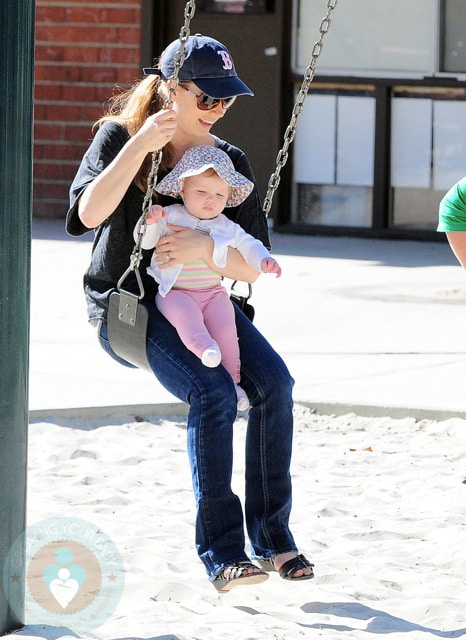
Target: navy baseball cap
207 63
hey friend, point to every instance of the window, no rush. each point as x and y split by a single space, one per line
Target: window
381 146
383 37
454 41
235 6
334 158
428 151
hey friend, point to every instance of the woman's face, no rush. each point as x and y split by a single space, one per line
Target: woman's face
190 119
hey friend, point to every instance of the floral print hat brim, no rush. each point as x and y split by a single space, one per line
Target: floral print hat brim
197 160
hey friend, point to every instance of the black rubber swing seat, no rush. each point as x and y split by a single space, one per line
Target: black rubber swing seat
127 328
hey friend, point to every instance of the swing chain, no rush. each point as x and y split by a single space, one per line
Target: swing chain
282 156
136 255
290 132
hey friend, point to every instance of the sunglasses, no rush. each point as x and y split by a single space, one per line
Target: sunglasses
206 103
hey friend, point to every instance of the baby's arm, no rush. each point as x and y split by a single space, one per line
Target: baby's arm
156 214
153 231
270 265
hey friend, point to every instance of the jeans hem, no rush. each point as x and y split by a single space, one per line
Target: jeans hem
274 554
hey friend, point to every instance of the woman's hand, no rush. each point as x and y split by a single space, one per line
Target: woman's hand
156 131
104 194
183 245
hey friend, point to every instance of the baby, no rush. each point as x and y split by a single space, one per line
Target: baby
191 295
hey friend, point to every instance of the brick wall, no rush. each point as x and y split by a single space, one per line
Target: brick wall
83 50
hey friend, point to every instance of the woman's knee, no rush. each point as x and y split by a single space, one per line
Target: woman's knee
267 382
216 388
281 382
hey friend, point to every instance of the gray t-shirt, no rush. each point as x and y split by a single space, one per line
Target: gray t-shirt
113 241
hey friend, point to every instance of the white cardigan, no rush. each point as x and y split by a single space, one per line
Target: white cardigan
221 229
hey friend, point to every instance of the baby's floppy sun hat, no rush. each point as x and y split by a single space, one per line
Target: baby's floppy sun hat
197 160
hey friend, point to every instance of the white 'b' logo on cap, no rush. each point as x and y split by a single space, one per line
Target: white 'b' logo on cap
227 61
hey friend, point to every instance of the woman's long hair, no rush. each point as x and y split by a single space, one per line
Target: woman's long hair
131 108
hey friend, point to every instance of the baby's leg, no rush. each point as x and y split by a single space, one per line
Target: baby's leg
182 311
219 318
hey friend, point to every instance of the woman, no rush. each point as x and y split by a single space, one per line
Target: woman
107 196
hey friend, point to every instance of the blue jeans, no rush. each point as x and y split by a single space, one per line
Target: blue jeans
211 397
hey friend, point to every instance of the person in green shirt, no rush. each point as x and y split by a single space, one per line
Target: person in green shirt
452 219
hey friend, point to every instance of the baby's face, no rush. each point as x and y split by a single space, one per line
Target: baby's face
205 196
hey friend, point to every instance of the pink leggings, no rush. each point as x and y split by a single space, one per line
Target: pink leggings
202 316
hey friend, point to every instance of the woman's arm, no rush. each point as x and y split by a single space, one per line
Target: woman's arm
236 268
103 195
185 245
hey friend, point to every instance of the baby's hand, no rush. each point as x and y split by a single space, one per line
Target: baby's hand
270 265
156 214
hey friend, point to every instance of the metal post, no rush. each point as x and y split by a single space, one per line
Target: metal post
16 85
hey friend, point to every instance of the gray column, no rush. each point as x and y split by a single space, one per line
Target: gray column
16 87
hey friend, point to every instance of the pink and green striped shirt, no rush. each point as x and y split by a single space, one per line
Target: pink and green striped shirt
197 275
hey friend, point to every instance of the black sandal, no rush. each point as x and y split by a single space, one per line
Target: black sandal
234 576
289 568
